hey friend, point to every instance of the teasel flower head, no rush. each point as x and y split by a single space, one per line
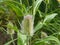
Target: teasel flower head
10 29
27 25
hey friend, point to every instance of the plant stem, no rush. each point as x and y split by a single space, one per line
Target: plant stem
27 2
27 40
21 1
46 9
12 39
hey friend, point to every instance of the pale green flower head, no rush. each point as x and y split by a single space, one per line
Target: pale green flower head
27 25
10 29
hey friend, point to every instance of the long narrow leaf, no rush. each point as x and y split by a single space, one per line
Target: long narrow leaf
49 38
38 26
36 5
8 43
48 18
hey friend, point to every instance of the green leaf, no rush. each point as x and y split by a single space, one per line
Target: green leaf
21 39
36 6
38 26
48 18
18 8
8 43
15 28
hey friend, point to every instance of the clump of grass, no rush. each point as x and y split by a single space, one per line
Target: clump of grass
31 33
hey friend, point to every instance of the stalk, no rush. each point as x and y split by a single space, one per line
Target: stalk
28 40
46 9
12 39
21 1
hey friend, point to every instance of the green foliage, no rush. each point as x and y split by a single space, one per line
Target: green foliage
36 6
8 43
21 39
38 26
46 18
